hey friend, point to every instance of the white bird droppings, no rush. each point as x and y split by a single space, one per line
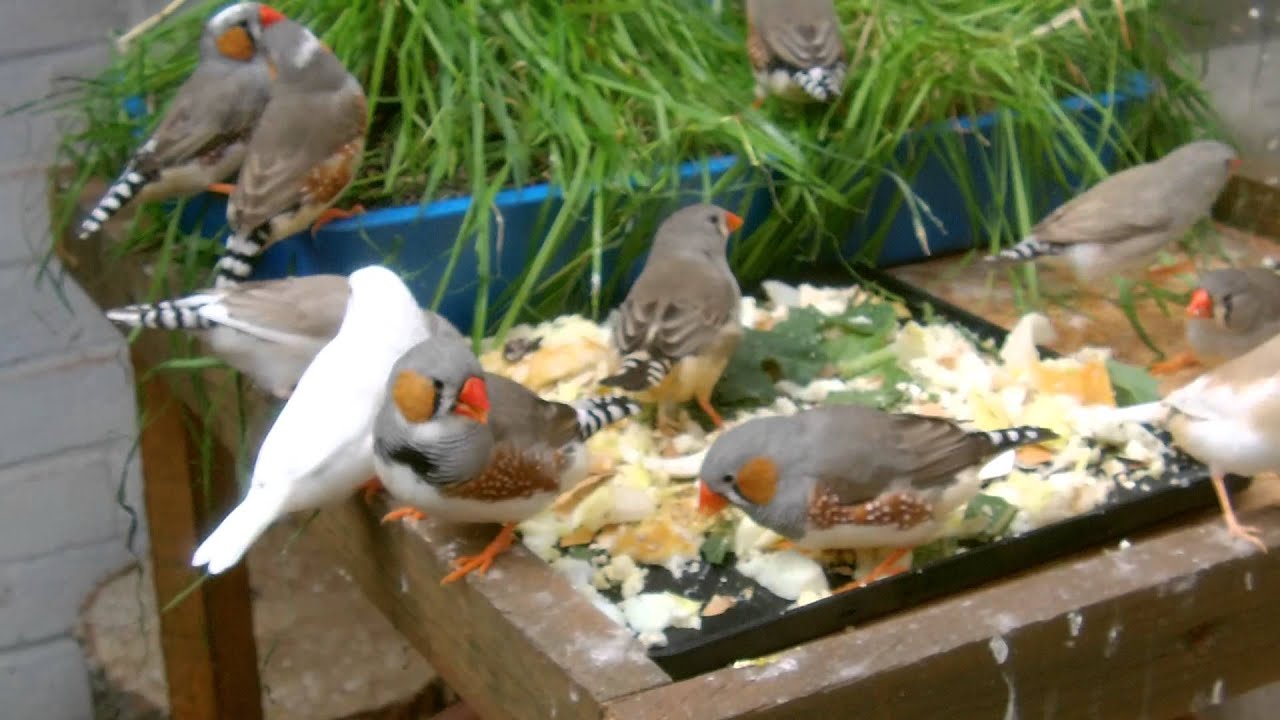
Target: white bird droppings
999 649
1113 640
1075 621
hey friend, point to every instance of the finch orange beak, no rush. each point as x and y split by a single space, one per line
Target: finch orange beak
709 501
1201 305
732 220
473 401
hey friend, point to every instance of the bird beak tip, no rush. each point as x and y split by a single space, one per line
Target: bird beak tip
709 501
1201 305
473 400
733 221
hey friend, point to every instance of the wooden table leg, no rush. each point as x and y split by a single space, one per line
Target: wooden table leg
210 658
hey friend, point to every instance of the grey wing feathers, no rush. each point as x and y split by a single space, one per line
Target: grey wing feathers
518 416
674 312
296 133
310 306
1125 205
810 40
212 107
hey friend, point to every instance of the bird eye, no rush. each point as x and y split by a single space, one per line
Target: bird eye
714 220
727 479
439 385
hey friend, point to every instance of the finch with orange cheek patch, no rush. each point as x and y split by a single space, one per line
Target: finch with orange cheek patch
204 133
1232 312
320 447
304 152
848 477
462 445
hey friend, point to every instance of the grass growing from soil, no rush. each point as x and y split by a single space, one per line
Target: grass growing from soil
473 96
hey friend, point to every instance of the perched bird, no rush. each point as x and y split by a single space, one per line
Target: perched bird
468 446
320 446
202 137
847 476
678 327
270 330
1232 312
1228 419
796 49
1120 223
304 151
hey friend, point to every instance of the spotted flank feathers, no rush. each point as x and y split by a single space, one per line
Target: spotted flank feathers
180 314
1017 436
594 414
1028 249
639 373
821 83
124 189
238 257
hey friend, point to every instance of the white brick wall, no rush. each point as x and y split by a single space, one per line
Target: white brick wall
67 413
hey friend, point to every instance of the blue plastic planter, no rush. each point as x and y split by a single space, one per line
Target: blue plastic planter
419 237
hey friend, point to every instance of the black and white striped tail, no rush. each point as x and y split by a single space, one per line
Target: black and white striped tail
639 373
124 189
178 314
821 83
1013 437
1027 250
594 414
239 256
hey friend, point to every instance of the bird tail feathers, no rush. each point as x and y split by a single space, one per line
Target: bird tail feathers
239 256
1025 251
594 414
1013 437
176 314
639 373
235 535
124 189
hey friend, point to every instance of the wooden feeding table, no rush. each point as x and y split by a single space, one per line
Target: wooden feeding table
1178 619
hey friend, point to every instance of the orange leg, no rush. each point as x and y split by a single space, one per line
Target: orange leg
704 402
758 102
1167 271
221 188
884 569
402 513
480 563
332 214
370 489
1244 532
1178 362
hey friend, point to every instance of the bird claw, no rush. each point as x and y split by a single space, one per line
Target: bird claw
705 404
1174 364
888 568
331 214
370 489
1166 271
404 513
221 188
481 562
1249 533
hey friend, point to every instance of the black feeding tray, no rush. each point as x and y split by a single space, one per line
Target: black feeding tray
763 625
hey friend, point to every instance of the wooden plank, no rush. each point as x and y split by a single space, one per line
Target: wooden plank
209 653
517 643
1150 631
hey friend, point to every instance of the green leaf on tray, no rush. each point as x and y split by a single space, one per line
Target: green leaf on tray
718 544
989 516
1132 384
939 549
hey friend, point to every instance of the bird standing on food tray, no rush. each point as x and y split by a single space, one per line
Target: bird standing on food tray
304 151
320 447
1232 312
462 445
201 139
846 476
1119 224
270 330
796 49
678 326
1228 419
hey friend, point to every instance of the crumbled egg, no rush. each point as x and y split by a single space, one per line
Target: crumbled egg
636 510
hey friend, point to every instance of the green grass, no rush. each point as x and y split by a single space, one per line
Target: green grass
472 96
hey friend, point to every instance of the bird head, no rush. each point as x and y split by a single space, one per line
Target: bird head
235 32
700 228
